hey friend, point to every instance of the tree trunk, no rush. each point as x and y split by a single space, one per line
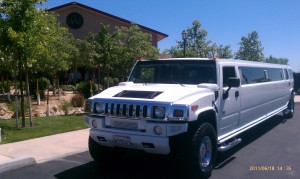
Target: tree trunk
38 97
58 90
48 105
98 80
22 104
28 97
17 104
54 85
8 87
3 91
22 93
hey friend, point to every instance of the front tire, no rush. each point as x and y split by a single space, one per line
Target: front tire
204 147
104 155
289 113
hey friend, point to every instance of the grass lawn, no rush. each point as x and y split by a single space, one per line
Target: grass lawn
42 126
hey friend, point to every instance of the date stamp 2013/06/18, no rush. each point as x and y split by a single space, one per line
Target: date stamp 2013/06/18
270 168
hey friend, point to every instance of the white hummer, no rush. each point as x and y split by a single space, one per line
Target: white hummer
194 107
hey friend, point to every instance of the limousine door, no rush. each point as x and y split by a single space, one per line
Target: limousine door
229 117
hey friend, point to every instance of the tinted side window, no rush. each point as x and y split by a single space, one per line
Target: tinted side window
291 74
250 75
228 72
286 74
274 74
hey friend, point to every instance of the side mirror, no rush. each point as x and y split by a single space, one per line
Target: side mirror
125 79
233 82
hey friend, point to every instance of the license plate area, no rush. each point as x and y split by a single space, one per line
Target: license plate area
122 140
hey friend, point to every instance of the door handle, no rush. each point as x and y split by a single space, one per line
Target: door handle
237 94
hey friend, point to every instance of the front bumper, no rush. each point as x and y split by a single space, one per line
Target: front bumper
143 137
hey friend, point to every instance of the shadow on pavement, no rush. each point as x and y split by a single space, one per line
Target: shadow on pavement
134 165
248 137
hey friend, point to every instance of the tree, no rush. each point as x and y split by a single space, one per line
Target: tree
275 60
133 44
32 37
224 52
250 48
198 46
196 43
103 50
115 53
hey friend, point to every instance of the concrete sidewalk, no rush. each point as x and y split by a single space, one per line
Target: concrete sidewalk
24 153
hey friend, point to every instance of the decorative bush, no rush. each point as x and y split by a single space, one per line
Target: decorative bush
68 87
116 81
65 106
78 100
84 88
108 80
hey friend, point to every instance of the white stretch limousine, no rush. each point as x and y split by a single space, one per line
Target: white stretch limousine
190 107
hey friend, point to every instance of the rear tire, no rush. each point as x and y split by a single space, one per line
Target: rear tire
289 113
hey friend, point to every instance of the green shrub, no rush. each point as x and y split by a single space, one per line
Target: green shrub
108 80
116 81
65 106
84 88
68 87
78 100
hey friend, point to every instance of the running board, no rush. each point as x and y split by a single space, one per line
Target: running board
228 145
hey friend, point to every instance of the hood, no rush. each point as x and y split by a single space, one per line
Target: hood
151 92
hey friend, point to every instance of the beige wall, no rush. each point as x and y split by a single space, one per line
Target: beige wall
93 19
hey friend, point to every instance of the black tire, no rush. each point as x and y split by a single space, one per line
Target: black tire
104 155
204 148
289 112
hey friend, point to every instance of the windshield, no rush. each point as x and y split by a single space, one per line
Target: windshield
174 72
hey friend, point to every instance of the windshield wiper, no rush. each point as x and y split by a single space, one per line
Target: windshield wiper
178 83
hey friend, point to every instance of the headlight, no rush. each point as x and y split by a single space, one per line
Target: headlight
98 107
94 123
158 112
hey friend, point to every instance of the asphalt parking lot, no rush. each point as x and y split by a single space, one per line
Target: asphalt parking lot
270 150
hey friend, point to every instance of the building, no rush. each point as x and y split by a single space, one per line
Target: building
81 19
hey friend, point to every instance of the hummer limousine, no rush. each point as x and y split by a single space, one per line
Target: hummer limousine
190 106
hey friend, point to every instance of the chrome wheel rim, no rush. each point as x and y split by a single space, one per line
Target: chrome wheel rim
205 152
291 105
292 108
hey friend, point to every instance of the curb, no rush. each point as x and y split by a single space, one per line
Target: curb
17 163
59 156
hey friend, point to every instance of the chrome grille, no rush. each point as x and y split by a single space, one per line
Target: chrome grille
126 110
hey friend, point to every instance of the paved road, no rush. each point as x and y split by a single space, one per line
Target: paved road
270 150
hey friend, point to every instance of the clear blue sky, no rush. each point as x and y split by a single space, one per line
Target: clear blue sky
276 21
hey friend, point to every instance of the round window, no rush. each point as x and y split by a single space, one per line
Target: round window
74 20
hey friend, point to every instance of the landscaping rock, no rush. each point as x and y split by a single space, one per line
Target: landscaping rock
3 110
55 109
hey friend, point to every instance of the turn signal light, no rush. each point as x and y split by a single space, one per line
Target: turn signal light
178 113
194 107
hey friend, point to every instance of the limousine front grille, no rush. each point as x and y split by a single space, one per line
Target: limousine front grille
124 110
